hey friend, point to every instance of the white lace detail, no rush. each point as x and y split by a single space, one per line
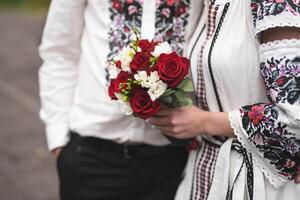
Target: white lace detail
285 19
269 171
279 44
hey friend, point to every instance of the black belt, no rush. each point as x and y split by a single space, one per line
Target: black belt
139 150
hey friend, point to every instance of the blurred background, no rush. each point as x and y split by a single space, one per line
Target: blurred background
27 170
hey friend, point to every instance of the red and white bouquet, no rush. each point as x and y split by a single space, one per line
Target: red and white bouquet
147 75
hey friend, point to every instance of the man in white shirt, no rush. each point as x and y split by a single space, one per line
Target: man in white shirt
102 153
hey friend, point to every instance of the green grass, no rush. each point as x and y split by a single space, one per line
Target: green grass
26 5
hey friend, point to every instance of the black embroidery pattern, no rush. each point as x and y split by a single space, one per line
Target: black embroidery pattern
282 79
171 21
124 15
263 8
272 138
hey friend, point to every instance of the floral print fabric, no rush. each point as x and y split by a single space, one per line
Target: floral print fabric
125 15
276 140
274 127
282 78
171 21
265 8
279 146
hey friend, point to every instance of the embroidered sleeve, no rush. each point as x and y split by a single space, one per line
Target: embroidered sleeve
275 13
271 131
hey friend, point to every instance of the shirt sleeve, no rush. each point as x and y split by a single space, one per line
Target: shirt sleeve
60 52
271 130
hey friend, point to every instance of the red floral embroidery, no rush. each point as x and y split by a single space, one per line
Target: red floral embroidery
256 114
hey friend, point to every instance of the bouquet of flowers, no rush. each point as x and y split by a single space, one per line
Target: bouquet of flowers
147 75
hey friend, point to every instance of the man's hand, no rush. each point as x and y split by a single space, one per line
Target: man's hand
56 152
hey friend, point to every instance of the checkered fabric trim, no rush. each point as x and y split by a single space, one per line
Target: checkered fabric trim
205 171
200 92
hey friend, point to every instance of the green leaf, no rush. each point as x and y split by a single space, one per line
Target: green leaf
168 92
167 100
183 98
186 102
180 94
186 85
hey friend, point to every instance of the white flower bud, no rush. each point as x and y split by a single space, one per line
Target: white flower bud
125 56
162 48
156 90
113 71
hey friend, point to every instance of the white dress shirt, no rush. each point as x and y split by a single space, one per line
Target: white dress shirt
78 37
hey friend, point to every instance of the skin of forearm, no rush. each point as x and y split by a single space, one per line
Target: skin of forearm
217 124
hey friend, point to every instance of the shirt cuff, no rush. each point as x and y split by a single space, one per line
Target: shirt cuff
57 135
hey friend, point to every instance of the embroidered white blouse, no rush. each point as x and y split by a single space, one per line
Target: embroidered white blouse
80 37
259 85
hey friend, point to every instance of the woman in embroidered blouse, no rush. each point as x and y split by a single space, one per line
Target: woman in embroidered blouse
247 119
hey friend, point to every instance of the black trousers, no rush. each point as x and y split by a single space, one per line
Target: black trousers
90 169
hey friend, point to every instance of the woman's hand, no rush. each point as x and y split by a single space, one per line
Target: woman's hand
188 122
297 179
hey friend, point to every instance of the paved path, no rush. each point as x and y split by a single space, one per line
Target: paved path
27 171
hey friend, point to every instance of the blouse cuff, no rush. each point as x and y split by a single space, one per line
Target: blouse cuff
279 47
269 171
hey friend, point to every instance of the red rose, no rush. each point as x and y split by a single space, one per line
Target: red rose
141 103
147 46
140 61
172 68
112 90
121 78
115 84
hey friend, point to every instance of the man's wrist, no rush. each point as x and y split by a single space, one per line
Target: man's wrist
56 152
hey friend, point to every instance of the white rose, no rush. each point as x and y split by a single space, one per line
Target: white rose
157 90
145 80
141 76
113 71
153 78
125 56
162 48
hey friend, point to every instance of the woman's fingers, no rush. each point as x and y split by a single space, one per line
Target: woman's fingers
297 179
164 112
160 121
